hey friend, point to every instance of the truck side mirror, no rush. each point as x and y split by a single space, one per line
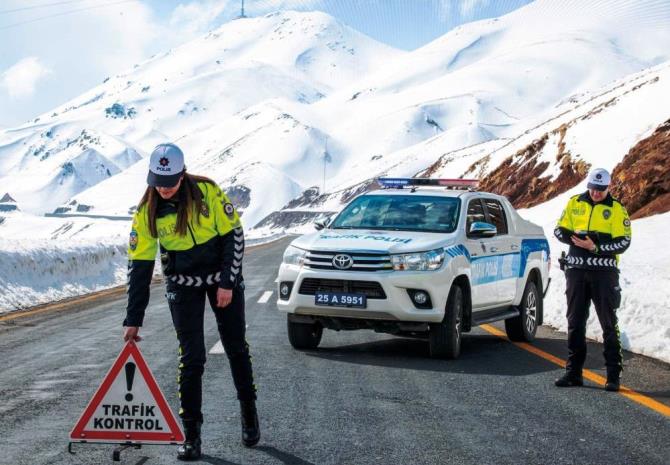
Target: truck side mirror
480 229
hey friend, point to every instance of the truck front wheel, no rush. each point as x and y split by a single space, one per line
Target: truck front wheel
303 336
444 338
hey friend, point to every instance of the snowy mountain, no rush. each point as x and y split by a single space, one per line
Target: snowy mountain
193 95
293 98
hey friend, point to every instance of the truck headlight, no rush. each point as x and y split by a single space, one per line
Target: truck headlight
294 256
421 261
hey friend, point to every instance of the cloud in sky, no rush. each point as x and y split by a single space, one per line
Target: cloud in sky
79 48
20 79
268 6
196 17
459 10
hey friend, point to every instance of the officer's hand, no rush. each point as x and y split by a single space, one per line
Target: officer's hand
131 334
223 297
584 243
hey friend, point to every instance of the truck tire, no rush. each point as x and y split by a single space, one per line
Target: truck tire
523 328
304 336
444 339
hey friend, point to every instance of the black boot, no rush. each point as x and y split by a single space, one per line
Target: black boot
190 450
613 380
569 380
251 432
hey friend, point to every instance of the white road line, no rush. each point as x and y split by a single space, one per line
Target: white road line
265 297
217 349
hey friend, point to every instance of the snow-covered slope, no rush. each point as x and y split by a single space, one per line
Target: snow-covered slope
492 79
280 91
184 95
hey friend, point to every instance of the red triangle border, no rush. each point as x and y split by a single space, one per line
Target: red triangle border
173 436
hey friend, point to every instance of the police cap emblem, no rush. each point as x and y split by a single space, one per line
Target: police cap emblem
228 209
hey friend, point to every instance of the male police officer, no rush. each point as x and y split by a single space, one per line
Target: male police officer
597 228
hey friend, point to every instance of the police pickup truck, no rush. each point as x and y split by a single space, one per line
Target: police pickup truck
420 258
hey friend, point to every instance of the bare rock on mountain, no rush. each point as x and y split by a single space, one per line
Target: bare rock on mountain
239 195
309 197
642 180
7 203
520 179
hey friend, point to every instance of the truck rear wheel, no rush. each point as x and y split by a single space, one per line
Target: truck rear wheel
303 335
444 338
523 328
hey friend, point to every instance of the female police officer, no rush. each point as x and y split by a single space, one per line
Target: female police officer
201 244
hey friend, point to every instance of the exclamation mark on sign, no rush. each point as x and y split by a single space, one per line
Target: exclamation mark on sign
130 375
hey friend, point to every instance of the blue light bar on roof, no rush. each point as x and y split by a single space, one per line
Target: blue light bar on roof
399 183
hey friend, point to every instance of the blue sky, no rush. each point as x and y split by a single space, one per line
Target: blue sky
60 48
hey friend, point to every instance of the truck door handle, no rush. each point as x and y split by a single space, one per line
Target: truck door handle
515 247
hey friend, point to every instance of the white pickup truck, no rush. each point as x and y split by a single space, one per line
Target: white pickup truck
419 257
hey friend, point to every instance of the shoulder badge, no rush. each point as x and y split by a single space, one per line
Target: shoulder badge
132 241
229 210
204 211
626 223
607 213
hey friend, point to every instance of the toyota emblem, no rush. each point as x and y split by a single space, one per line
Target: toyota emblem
342 261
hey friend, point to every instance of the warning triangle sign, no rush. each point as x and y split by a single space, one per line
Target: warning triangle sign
128 407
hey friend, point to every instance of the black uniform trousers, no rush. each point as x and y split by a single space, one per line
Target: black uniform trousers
187 306
601 287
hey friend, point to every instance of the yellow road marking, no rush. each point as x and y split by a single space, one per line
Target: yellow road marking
591 376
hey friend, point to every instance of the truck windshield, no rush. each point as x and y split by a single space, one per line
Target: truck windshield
400 213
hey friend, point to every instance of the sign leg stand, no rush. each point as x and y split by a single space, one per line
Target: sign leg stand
116 454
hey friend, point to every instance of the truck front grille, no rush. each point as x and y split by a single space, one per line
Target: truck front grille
361 261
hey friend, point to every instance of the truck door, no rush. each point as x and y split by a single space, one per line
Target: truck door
505 246
483 283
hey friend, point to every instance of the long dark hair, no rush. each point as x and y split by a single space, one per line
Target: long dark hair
189 203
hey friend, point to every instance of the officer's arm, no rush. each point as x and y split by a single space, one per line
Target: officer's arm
564 229
229 227
141 257
621 233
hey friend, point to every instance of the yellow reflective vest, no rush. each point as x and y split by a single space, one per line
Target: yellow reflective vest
210 253
606 223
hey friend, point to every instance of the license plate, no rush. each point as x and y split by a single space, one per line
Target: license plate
340 299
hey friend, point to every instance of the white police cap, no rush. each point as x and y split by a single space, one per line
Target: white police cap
599 179
166 165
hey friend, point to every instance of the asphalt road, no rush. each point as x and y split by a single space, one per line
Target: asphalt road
361 398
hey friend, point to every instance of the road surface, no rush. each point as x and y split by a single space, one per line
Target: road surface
361 398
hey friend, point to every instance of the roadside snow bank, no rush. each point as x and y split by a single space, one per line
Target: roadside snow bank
39 272
43 260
